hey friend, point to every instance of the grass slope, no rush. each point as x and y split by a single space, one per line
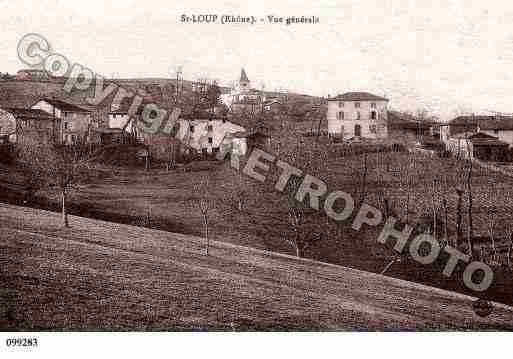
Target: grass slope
105 276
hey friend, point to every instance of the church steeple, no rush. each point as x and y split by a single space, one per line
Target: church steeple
243 77
244 83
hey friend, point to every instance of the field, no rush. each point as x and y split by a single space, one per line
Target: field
164 200
105 276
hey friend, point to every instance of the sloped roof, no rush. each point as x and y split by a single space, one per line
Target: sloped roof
29 113
472 135
357 96
64 106
404 120
271 102
484 122
109 130
243 76
480 139
488 142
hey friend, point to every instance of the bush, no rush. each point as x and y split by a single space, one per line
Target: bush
359 148
7 153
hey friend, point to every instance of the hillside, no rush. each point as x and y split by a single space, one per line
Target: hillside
106 276
24 94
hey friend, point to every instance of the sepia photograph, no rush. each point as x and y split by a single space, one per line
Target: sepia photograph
293 170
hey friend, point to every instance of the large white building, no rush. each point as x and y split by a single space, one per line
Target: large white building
357 114
209 135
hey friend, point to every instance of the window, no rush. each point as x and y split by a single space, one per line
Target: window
373 115
372 128
210 140
496 131
191 128
357 104
210 128
373 105
341 104
340 115
66 125
358 115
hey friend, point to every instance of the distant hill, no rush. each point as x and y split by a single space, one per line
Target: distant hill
16 93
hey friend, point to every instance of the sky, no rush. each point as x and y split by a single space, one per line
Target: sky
449 57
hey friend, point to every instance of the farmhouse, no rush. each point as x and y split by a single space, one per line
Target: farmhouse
120 119
7 127
406 127
33 75
30 125
72 123
206 133
497 126
477 145
357 114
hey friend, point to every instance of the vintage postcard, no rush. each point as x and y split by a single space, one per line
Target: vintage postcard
277 166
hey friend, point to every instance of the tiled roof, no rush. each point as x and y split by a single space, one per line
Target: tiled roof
108 130
65 106
484 122
480 139
398 119
26 113
357 96
488 142
471 134
270 102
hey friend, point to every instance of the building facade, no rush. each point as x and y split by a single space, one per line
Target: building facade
497 126
208 135
357 114
31 125
7 127
72 123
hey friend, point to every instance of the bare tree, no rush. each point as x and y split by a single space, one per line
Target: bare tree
62 168
281 215
205 202
510 248
434 210
492 216
363 179
459 193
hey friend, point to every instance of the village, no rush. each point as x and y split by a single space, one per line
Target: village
449 179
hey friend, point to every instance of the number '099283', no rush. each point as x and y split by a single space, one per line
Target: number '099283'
21 342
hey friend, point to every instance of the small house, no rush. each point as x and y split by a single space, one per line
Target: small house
32 125
73 123
477 145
